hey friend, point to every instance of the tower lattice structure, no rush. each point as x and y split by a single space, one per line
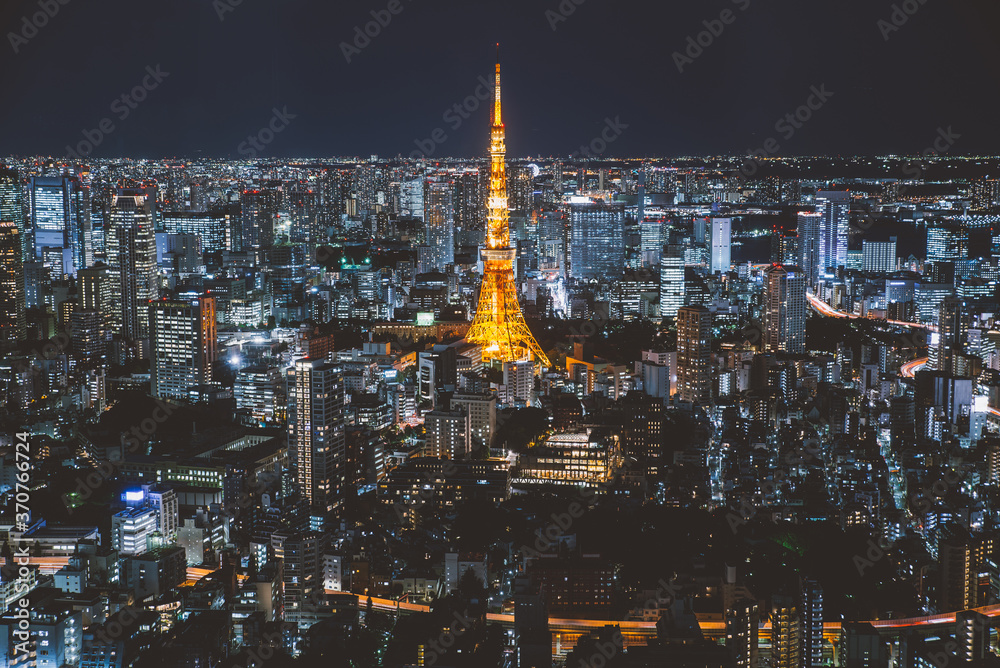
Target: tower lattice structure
499 326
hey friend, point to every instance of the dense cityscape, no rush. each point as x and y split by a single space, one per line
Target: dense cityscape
578 411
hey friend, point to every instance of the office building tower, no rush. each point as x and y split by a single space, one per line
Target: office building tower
96 286
947 242
810 226
133 254
812 624
88 333
439 221
878 257
786 632
720 253
785 310
949 340
316 438
694 350
835 207
60 223
12 314
597 240
302 556
12 208
259 209
651 240
671 280
218 229
518 382
183 345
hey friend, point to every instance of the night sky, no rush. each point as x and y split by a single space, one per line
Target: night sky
605 60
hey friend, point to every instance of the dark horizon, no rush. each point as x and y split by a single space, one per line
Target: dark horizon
229 69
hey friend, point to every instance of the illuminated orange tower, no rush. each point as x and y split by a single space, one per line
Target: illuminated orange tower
499 326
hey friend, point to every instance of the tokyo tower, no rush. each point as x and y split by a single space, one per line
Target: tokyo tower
499 326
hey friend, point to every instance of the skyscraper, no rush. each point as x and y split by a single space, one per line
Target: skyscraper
950 337
12 317
694 349
810 224
785 310
835 206
316 438
12 206
439 220
499 326
597 240
786 632
183 345
133 253
720 258
671 280
60 221
812 624
947 242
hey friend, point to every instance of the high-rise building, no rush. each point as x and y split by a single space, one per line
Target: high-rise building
785 310
60 220
218 229
96 288
694 349
879 256
132 254
812 624
597 240
947 242
835 206
12 315
482 410
12 208
316 432
183 345
259 209
861 646
742 624
671 280
88 332
439 220
949 340
786 632
302 556
720 257
957 586
808 241
447 434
